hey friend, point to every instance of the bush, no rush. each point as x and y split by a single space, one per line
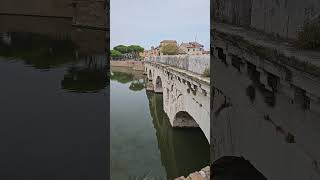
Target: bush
206 73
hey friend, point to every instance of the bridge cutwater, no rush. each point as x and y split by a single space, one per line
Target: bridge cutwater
186 93
265 91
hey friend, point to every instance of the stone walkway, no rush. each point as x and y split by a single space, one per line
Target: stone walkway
203 174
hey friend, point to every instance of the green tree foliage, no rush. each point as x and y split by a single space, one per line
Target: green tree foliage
135 49
136 85
169 49
115 54
122 77
121 48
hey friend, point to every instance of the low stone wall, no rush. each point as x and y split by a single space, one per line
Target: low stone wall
135 65
193 63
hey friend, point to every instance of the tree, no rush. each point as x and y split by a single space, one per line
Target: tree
169 49
135 49
121 48
115 54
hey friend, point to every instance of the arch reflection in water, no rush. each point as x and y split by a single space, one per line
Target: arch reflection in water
177 146
143 140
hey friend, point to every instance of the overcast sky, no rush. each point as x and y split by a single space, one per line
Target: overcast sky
147 22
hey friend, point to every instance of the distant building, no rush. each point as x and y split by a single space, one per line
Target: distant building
205 52
155 51
191 48
166 42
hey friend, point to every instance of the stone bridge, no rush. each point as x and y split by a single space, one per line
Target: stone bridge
186 95
265 93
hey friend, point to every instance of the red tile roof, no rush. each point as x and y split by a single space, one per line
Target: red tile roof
191 45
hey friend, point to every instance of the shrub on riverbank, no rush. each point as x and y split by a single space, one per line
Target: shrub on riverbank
206 73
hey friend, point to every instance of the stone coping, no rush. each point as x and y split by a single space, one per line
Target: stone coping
305 60
192 75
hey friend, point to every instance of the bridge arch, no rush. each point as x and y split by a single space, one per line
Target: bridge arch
158 85
184 119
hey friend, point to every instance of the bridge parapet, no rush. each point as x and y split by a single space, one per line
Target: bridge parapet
193 63
186 95
279 67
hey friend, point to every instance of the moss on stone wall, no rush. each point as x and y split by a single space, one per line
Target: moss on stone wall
206 73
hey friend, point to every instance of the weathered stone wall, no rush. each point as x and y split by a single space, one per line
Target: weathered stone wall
193 63
233 11
266 113
283 17
280 17
60 8
90 13
42 25
136 65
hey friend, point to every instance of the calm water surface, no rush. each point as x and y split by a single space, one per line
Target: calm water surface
53 106
143 143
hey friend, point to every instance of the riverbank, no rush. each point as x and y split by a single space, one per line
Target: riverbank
135 65
203 174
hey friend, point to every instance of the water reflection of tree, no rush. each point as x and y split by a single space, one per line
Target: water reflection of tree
122 77
39 51
177 146
90 76
137 84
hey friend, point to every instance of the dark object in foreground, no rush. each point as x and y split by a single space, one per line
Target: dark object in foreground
234 168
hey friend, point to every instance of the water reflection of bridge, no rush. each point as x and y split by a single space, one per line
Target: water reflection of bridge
178 155
176 146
